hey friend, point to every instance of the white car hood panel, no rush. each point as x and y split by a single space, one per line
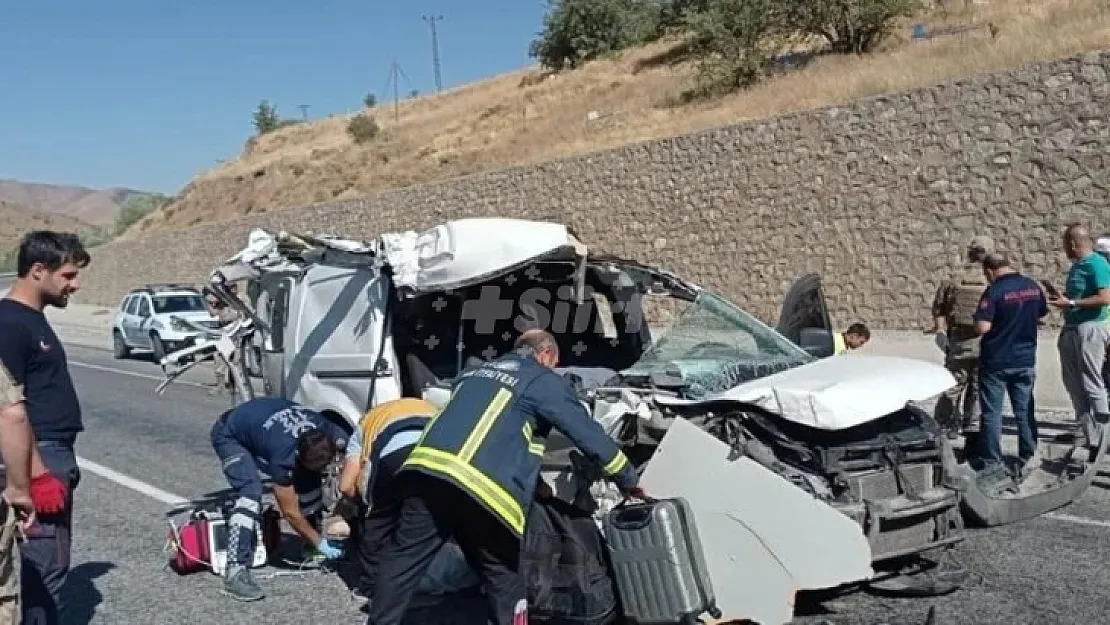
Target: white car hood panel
839 392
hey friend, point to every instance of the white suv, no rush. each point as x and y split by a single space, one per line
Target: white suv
149 318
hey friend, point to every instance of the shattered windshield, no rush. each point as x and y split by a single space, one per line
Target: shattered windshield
715 346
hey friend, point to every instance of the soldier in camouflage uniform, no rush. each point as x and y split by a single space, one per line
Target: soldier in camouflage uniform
955 302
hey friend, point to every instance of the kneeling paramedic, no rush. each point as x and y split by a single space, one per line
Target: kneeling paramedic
381 442
474 473
294 445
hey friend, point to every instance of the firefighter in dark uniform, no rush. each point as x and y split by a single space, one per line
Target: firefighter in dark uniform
475 471
953 306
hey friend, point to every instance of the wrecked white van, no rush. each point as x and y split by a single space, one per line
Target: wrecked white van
824 463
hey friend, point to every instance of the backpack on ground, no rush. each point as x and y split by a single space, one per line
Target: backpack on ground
565 567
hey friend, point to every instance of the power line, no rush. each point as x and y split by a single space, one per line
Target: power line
435 49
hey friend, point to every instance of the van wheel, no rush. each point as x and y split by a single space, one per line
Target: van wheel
120 350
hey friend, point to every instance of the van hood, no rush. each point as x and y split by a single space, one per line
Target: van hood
839 392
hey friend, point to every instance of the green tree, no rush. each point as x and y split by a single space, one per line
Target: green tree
575 31
265 118
672 14
851 26
736 41
370 100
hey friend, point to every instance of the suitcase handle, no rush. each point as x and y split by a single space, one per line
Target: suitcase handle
631 518
634 518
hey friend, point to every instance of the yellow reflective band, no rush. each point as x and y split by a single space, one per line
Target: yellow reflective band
481 486
533 446
616 464
485 422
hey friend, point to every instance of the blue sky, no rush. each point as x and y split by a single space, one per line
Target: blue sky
147 93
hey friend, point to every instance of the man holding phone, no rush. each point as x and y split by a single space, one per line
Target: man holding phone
1085 336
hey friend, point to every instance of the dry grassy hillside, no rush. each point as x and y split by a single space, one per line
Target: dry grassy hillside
16 220
528 116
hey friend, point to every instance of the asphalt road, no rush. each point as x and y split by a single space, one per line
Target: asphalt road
1048 570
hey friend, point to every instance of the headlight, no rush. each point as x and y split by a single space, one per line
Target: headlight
179 325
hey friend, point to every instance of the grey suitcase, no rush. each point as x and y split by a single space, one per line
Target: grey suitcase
658 562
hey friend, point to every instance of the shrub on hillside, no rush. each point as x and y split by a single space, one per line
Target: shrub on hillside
363 128
736 41
851 26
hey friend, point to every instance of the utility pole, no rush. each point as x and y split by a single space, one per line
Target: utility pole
395 75
304 110
435 49
396 98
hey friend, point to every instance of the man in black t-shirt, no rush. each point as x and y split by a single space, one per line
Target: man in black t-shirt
48 264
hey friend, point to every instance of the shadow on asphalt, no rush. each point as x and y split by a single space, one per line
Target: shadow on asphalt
83 595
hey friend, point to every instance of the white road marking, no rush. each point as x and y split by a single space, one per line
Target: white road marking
134 374
1071 518
136 485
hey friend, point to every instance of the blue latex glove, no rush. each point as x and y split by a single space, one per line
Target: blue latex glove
329 550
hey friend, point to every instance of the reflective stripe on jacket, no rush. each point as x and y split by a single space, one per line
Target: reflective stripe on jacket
489 440
839 344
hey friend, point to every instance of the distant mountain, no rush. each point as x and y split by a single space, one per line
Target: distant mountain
88 206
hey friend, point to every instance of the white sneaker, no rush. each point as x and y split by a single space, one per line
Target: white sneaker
1032 464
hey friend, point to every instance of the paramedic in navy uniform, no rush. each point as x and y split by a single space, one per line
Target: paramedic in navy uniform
47 267
476 469
293 445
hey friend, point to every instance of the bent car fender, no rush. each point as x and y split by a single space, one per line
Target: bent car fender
765 538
